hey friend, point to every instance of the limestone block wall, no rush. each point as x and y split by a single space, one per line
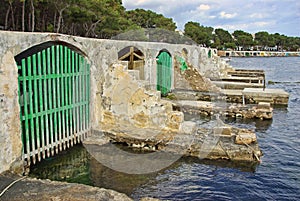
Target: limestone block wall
126 102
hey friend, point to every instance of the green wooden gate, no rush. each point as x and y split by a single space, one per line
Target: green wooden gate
54 96
164 72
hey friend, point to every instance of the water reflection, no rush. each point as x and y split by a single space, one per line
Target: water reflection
104 177
70 166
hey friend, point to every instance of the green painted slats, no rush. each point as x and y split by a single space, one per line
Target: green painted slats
25 109
69 100
41 102
36 106
54 101
49 91
209 54
58 98
45 100
164 72
87 114
30 102
65 98
77 99
84 95
73 110
81 96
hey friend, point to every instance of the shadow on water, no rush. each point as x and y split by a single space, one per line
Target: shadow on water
77 166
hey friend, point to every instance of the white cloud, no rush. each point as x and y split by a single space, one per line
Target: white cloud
204 7
258 15
249 27
225 15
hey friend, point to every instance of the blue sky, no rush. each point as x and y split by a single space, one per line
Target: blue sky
273 16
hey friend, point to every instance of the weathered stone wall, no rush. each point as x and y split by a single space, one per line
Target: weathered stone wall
212 67
191 79
11 146
126 102
100 54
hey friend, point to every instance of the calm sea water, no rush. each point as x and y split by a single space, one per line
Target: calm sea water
277 177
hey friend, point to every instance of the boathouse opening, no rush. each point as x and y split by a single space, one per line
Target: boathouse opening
184 53
54 98
209 54
134 59
164 72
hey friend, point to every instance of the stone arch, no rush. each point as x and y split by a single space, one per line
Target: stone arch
184 53
209 53
195 58
54 98
38 48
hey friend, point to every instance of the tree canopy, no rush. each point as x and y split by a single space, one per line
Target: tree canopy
200 34
150 19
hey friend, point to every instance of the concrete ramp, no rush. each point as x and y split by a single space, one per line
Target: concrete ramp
273 96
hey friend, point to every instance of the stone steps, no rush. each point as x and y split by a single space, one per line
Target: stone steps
274 96
237 85
240 79
263 99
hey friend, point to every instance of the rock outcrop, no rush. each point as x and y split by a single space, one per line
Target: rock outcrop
40 190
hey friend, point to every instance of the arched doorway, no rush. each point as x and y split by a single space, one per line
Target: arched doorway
54 97
164 72
134 58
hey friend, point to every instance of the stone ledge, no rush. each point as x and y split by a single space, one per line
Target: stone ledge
40 190
262 111
187 144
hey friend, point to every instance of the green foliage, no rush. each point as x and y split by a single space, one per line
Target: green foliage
150 19
224 36
243 39
200 34
89 18
230 45
263 38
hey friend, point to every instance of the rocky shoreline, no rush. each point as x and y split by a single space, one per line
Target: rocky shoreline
214 141
39 190
19 188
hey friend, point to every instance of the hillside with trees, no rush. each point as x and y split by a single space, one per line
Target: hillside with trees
240 40
109 19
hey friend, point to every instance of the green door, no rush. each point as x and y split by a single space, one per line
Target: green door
54 96
164 72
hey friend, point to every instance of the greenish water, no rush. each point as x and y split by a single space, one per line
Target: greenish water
76 165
